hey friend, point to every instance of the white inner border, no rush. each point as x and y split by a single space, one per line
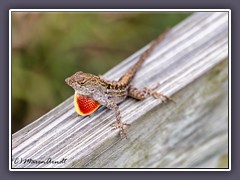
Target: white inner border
120 10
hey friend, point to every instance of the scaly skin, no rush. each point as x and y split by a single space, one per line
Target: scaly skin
110 93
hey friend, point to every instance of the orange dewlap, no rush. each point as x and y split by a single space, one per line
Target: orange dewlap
84 105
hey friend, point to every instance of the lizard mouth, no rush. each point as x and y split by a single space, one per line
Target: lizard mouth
85 106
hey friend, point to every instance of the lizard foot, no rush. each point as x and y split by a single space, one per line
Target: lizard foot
157 95
120 125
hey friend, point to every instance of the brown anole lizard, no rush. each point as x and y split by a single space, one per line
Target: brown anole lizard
91 91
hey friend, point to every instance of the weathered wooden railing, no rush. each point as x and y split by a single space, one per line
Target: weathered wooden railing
192 66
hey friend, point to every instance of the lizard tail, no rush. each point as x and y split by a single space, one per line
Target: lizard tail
127 77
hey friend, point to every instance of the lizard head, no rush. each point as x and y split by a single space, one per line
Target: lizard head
84 86
81 80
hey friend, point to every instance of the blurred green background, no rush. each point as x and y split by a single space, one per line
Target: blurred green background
47 47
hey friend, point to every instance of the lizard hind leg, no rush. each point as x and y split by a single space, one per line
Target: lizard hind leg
145 92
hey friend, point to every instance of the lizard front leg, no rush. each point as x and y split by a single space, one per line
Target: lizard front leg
145 92
118 124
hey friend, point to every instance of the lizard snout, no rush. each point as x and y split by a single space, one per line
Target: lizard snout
68 81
